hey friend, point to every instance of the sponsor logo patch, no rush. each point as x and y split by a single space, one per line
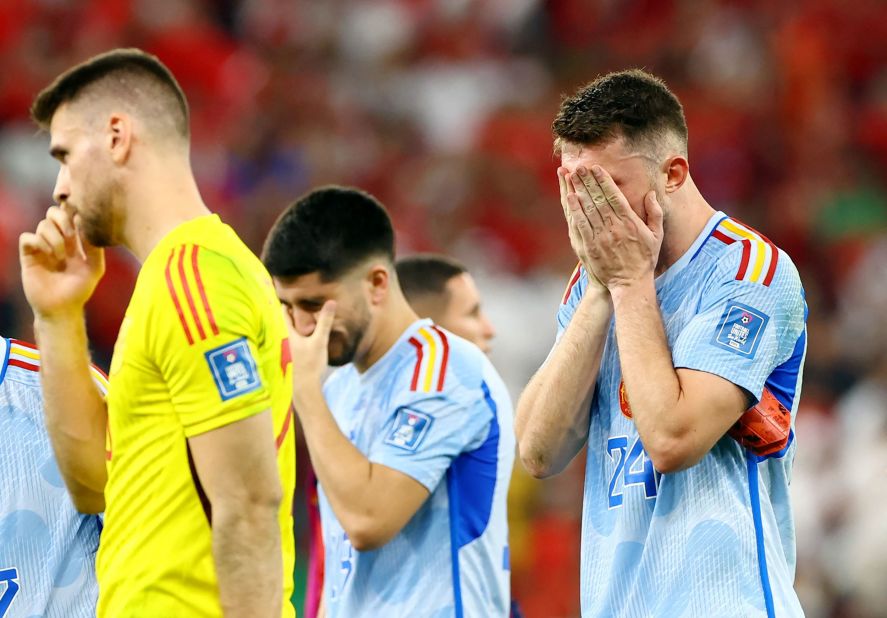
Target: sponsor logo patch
233 369
740 329
409 429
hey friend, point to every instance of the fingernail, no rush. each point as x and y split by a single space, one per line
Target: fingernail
582 171
596 170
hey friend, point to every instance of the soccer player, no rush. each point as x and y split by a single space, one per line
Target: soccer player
192 458
441 288
47 548
681 325
411 438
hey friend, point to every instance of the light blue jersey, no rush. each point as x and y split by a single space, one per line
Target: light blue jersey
718 538
47 548
433 408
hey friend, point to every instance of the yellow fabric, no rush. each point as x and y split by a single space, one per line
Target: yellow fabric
155 557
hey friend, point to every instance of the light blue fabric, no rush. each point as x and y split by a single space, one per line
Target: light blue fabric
451 557
690 543
47 549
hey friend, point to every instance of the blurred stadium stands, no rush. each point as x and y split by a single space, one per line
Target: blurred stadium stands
442 109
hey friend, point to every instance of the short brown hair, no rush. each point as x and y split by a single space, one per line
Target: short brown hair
129 75
426 274
632 104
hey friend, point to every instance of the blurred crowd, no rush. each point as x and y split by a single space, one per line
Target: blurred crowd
442 109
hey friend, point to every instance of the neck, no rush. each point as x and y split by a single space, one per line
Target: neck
398 316
165 195
686 219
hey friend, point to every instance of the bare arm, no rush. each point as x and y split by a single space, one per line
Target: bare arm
237 467
58 280
371 501
679 414
552 415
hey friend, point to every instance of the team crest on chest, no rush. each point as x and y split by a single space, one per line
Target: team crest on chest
623 400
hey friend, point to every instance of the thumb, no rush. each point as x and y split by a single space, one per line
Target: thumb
325 320
654 214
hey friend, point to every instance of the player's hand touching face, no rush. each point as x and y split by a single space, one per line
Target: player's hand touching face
310 352
60 269
621 247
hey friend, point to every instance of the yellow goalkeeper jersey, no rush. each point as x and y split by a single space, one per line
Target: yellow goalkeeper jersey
203 344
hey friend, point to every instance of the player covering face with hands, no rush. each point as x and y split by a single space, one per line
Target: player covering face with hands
190 455
411 437
678 360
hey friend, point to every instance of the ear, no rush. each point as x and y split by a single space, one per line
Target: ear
379 282
677 170
120 137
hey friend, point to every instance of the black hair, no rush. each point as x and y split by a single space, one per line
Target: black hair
328 231
426 274
632 104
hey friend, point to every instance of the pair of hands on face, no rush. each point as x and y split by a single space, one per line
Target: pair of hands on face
616 247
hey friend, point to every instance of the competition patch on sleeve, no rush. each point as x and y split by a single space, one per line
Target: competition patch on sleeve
233 369
410 428
740 329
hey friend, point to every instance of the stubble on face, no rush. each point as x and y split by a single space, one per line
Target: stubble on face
346 339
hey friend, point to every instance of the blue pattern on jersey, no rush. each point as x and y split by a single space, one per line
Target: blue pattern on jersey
689 543
448 559
47 548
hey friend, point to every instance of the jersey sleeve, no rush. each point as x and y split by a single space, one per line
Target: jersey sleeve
424 434
209 326
572 295
743 329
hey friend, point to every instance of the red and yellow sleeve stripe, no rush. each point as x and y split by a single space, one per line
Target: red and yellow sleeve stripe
432 357
25 355
574 278
185 286
759 255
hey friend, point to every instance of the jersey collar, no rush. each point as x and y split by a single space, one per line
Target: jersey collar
666 277
400 348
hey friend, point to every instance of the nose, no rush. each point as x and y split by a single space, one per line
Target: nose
61 192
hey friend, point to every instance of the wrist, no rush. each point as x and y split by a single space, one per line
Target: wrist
307 394
632 290
61 318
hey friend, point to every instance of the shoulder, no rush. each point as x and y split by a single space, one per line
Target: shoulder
746 254
21 363
444 366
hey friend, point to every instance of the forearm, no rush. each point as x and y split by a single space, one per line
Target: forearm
552 416
651 382
345 473
248 559
75 411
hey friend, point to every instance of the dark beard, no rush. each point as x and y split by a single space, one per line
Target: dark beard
350 340
100 227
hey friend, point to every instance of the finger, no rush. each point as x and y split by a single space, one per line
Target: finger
63 217
565 189
612 194
655 215
52 235
591 209
579 223
30 244
325 320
